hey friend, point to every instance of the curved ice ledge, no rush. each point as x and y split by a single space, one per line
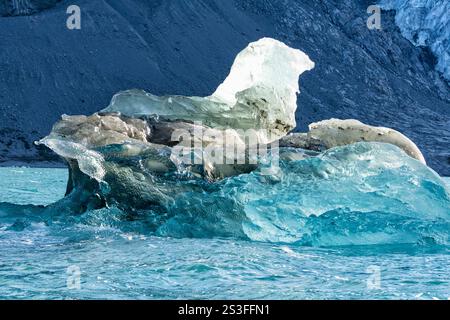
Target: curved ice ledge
335 132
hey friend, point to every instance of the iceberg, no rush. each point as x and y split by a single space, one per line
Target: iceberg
165 161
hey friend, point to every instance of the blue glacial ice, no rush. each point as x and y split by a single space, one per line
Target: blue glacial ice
364 193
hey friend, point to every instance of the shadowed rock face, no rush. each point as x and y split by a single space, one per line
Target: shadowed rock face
187 47
24 7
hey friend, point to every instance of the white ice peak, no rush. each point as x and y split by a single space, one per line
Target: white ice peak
259 93
266 62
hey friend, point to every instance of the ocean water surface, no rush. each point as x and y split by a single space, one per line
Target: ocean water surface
42 257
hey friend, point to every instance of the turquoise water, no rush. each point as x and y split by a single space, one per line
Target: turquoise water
38 256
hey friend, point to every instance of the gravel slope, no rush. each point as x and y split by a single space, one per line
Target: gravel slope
187 47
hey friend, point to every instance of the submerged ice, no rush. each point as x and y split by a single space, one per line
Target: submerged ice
343 182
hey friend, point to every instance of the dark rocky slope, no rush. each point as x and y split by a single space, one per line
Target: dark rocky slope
187 47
